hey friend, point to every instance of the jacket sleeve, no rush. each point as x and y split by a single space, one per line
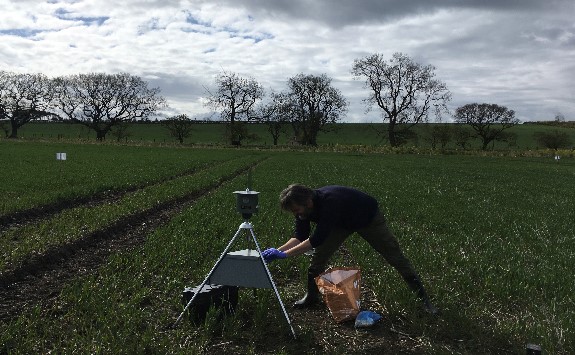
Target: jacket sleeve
302 229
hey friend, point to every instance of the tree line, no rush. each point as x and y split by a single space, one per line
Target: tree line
405 92
97 100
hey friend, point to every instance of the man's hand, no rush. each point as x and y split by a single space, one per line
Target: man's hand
272 254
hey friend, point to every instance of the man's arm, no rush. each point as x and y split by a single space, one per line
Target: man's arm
289 244
294 247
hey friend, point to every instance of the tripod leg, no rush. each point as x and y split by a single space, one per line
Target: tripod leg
207 277
273 283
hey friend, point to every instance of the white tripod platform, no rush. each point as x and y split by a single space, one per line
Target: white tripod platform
244 268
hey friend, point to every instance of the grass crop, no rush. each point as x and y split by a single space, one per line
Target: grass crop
491 237
31 176
18 244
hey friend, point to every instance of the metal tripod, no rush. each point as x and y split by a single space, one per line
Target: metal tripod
242 269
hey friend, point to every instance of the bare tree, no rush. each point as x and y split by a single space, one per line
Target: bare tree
312 104
559 117
101 101
235 98
487 120
276 114
121 131
406 91
461 135
553 139
180 127
23 98
438 134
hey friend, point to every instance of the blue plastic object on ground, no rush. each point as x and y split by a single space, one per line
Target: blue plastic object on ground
366 319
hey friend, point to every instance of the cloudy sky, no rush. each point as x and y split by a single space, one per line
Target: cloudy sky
515 53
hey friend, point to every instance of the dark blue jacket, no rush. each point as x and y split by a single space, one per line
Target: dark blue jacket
336 207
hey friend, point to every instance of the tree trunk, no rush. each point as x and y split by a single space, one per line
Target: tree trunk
100 135
312 139
14 133
391 134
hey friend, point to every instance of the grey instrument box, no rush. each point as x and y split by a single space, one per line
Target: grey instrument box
243 268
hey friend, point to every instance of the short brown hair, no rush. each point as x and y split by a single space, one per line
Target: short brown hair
295 194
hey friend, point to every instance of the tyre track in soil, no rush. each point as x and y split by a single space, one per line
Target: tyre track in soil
40 280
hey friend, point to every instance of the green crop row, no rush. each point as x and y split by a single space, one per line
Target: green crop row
17 244
491 237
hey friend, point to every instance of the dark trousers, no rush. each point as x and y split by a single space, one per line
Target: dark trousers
378 235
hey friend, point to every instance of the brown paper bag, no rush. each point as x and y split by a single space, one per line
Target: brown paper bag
339 288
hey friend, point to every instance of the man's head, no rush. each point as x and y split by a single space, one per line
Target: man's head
297 199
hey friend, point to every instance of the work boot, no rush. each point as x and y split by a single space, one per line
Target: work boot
416 286
311 298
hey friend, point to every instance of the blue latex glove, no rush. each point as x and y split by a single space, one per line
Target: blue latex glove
272 254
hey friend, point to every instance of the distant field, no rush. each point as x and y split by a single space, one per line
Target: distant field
212 134
492 237
35 177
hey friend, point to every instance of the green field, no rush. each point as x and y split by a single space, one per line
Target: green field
492 238
339 134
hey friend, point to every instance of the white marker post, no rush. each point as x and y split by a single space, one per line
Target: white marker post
60 157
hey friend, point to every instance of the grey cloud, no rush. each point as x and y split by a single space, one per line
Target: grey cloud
354 12
177 86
